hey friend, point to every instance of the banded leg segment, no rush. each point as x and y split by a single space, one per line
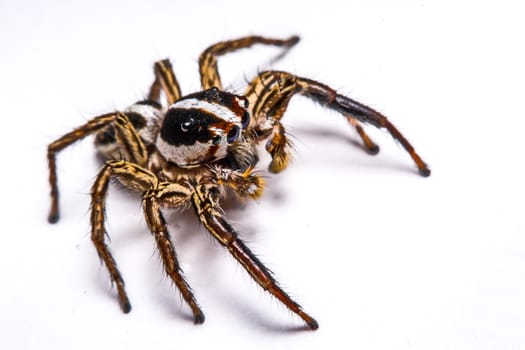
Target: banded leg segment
133 147
156 195
166 81
134 177
270 93
211 217
170 195
208 59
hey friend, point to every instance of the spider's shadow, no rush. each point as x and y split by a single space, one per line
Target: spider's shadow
319 135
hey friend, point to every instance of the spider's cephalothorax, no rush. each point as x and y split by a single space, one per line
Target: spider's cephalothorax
200 127
187 153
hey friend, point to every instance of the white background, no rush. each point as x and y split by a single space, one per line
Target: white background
383 258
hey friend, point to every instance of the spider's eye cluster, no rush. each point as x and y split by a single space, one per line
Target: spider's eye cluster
233 134
200 127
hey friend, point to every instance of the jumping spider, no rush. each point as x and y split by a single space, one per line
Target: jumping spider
188 152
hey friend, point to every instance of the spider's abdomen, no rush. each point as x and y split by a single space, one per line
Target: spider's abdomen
143 116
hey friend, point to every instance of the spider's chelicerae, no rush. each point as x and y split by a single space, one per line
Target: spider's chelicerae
186 154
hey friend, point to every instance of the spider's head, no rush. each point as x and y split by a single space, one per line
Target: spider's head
200 127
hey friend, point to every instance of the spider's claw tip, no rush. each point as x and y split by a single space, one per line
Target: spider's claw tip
373 150
313 324
293 40
199 318
310 321
53 218
126 307
425 172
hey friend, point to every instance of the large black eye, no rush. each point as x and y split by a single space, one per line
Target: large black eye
188 124
233 134
245 120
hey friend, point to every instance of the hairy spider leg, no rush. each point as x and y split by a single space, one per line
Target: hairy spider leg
208 59
211 217
165 81
124 132
269 96
270 93
210 77
156 195
370 146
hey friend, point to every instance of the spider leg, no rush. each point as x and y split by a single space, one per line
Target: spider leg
131 143
166 81
209 214
156 195
208 59
133 177
169 195
371 147
270 93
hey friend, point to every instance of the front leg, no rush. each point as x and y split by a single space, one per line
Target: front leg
169 195
134 177
156 195
270 93
210 215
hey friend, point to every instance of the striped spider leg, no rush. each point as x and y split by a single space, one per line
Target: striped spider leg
212 218
155 195
271 91
121 129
